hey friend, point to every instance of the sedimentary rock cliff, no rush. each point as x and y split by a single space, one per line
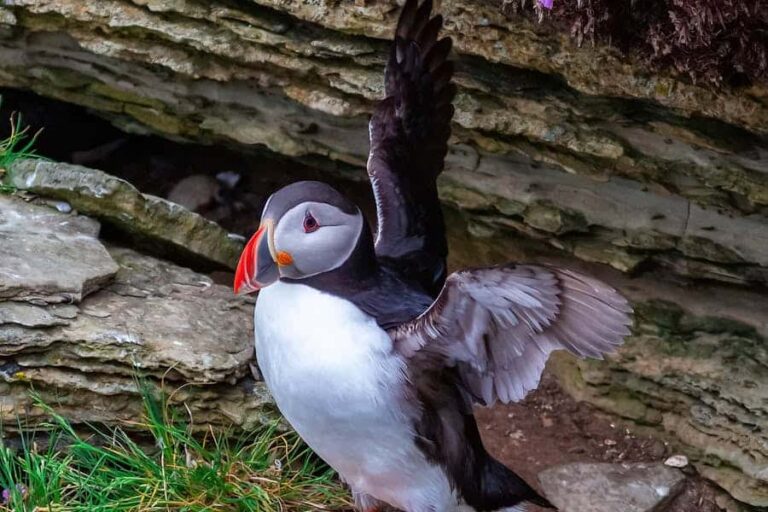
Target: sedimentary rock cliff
581 149
80 321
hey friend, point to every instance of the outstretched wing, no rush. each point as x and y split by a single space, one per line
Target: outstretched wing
499 325
409 133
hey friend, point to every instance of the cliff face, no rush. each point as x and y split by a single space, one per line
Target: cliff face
582 150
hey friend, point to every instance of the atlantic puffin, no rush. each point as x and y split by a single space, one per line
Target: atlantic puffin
372 352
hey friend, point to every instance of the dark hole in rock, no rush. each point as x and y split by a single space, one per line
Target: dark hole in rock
226 185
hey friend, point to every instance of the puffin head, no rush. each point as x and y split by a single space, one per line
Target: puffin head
307 228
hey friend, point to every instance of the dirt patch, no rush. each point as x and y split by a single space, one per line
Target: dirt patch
550 428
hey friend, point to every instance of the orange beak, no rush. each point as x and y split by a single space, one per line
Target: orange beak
257 268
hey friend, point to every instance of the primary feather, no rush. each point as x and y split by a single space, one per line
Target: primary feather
409 134
498 326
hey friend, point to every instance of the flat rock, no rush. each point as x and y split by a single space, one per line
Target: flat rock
117 400
155 317
47 257
136 319
161 225
28 315
587 487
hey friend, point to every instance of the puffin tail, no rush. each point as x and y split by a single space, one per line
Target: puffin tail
499 484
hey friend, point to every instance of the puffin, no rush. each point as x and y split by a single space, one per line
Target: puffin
373 353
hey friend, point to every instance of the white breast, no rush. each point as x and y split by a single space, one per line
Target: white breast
335 377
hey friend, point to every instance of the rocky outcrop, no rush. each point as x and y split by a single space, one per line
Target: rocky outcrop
162 225
695 372
85 341
579 146
574 151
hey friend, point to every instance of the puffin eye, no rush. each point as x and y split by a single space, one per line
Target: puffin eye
310 223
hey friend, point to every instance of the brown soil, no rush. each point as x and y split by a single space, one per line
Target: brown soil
550 428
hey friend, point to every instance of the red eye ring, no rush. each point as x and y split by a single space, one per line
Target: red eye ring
310 223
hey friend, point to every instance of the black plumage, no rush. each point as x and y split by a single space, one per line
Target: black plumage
409 140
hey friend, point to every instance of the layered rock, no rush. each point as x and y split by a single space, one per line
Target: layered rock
85 341
695 372
300 77
148 220
578 149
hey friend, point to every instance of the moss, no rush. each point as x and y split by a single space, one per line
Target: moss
155 119
549 217
123 96
463 198
701 248
7 17
509 207
716 325
666 315
603 252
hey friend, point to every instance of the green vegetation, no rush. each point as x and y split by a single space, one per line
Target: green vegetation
109 470
17 145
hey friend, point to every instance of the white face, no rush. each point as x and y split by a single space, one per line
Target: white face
312 238
307 228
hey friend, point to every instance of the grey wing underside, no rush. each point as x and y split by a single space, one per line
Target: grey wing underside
409 133
499 325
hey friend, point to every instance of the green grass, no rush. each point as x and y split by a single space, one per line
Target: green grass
19 144
108 470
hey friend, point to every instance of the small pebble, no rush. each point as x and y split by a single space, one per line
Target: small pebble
62 206
676 461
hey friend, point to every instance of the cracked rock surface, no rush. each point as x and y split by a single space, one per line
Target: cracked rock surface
608 487
81 339
28 237
575 145
151 221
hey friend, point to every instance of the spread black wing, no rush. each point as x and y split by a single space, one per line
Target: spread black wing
409 132
497 326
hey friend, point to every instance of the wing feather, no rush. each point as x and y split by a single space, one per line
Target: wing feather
409 134
499 325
